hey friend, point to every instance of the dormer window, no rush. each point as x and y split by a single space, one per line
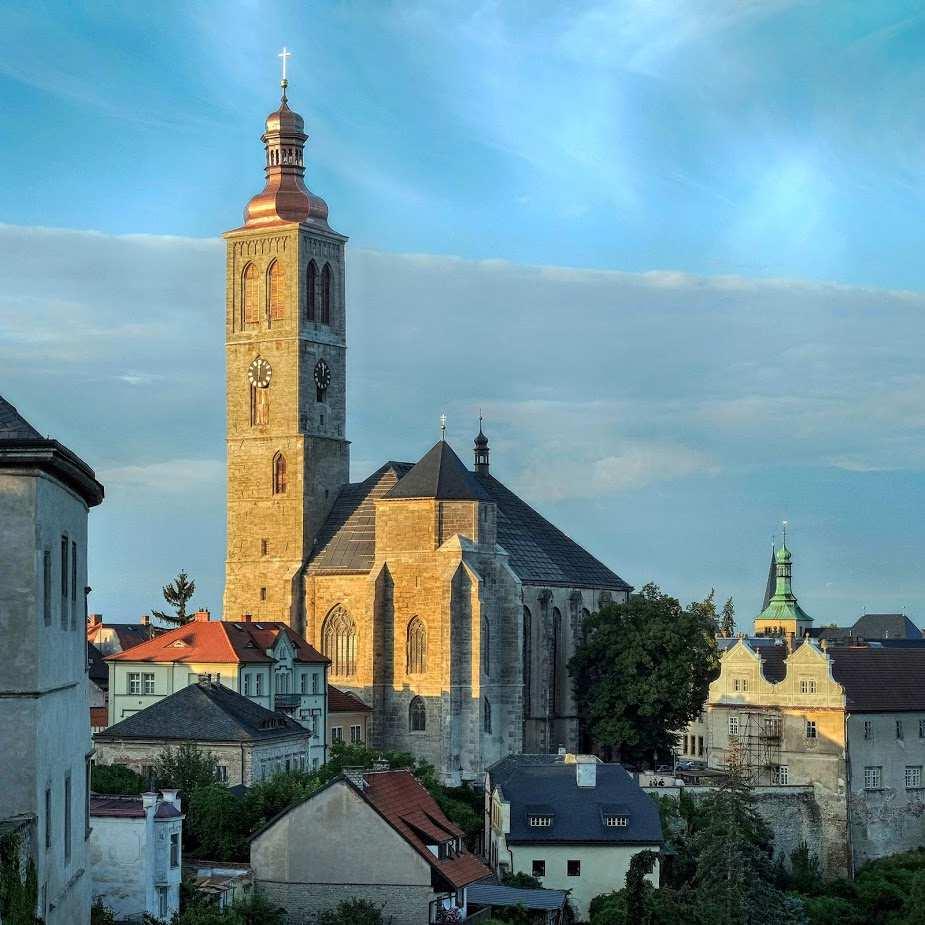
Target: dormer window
540 822
179 644
616 822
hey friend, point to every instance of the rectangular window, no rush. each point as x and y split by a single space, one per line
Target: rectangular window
355 735
541 822
67 818
733 725
780 775
315 683
700 746
684 745
64 572
221 773
263 594
913 776
872 778
616 822
573 868
147 681
922 728
303 683
162 902
538 868
73 586
740 684
46 585
899 729
175 849
807 686
337 733
247 685
264 547
134 682
259 683
810 729
868 729
48 817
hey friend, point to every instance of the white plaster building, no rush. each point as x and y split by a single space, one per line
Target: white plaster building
264 661
136 854
45 494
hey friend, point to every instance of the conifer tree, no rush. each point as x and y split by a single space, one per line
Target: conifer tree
177 594
727 623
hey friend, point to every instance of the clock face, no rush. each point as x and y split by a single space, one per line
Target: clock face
322 375
259 373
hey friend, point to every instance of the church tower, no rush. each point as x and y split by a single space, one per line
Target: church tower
285 339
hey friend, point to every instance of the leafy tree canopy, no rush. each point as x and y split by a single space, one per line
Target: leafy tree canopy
116 779
642 671
185 768
352 912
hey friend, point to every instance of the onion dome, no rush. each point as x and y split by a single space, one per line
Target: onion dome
285 198
783 554
481 450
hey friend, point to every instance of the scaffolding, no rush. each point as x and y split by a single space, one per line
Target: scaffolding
756 748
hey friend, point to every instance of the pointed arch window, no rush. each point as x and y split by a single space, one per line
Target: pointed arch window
311 291
339 642
486 647
417 715
249 294
279 474
527 657
276 308
326 294
555 674
486 715
416 647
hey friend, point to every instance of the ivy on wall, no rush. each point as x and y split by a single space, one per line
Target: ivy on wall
18 894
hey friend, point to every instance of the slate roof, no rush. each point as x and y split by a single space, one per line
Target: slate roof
344 702
13 426
206 712
97 671
885 626
346 543
491 893
439 474
128 807
528 781
540 553
218 641
128 634
407 806
880 679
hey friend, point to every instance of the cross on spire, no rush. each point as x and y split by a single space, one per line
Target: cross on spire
285 54
443 427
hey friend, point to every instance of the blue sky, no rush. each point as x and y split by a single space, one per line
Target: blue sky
673 249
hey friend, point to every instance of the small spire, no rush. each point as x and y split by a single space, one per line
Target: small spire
481 449
443 426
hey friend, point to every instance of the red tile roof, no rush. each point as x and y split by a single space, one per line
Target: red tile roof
344 702
218 641
121 807
404 803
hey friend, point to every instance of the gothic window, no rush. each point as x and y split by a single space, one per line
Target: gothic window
486 647
339 642
249 294
326 294
279 474
417 715
486 715
554 675
311 293
416 647
527 658
276 309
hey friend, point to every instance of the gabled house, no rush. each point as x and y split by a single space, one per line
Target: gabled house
386 840
267 662
570 821
250 742
111 638
349 718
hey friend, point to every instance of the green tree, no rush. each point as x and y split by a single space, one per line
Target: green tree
116 779
521 881
642 671
177 593
805 876
101 914
727 622
186 768
218 823
352 912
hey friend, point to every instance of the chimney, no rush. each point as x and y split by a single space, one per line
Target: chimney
202 616
246 617
145 619
148 801
380 764
586 771
172 797
94 619
355 776
562 751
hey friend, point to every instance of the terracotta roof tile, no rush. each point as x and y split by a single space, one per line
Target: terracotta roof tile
344 702
404 803
218 641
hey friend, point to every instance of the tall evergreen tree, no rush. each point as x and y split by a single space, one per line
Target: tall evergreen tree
177 594
727 623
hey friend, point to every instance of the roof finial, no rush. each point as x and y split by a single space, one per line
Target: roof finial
285 54
784 525
443 426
